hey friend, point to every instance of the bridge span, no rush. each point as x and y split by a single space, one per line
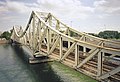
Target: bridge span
96 57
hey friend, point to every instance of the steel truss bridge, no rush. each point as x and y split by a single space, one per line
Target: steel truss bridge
93 56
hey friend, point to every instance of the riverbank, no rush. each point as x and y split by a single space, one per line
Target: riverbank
68 74
4 41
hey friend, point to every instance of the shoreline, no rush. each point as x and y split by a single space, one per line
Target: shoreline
4 41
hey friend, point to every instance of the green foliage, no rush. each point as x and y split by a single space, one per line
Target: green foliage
6 35
93 34
107 34
73 33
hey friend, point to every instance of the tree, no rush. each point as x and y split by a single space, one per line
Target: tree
93 34
109 34
6 35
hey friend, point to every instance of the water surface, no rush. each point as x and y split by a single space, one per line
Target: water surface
14 67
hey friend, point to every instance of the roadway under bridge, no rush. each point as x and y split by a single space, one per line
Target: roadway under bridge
93 56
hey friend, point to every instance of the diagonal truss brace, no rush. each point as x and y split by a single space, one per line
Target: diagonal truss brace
92 54
110 73
43 34
69 50
55 44
95 51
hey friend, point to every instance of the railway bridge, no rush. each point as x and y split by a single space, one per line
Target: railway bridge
45 34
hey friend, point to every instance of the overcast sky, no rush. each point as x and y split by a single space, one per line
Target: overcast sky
83 15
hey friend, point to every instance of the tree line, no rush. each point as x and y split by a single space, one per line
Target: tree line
107 34
103 34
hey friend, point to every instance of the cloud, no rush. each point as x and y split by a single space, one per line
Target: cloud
75 11
13 6
108 6
71 9
17 7
67 8
3 9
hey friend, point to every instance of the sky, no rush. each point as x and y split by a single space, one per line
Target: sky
90 16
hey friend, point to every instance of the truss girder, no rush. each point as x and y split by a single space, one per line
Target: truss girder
44 29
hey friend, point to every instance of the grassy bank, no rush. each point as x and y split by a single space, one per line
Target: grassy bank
68 74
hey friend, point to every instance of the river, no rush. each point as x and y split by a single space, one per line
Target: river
14 67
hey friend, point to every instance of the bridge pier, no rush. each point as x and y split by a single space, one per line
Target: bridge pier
39 58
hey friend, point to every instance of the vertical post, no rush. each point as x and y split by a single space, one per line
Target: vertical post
100 64
50 20
29 34
76 55
68 40
84 48
48 40
37 36
25 38
103 54
57 25
50 23
39 28
33 26
61 45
